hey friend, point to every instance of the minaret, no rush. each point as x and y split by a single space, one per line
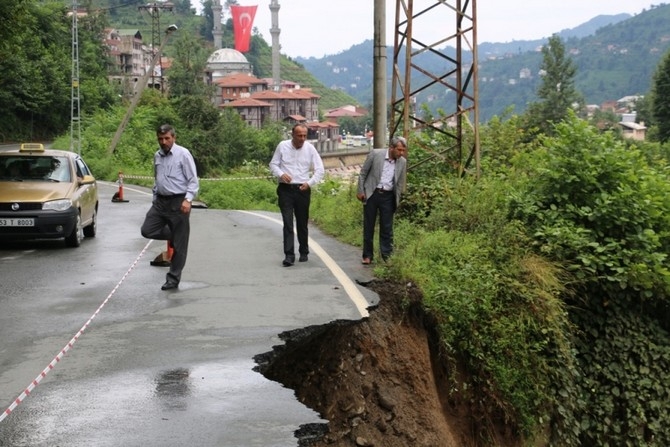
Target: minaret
274 31
217 30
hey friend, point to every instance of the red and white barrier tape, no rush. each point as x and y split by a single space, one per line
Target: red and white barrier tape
71 343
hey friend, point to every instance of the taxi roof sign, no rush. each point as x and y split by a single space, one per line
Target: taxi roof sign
34 147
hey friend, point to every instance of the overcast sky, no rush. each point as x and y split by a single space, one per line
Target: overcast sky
322 27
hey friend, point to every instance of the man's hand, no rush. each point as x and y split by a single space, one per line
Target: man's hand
286 178
304 186
185 206
361 196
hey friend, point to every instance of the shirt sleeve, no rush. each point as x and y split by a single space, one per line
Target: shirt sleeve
191 175
319 171
365 169
276 162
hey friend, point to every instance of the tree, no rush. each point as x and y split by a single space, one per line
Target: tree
36 62
643 109
187 71
183 6
557 91
35 67
208 24
660 100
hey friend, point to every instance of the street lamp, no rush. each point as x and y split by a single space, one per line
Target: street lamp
140 88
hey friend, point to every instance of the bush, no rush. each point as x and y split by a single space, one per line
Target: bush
595 204
337 211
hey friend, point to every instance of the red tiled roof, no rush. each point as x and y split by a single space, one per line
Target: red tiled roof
239 80
324 124
247 102
284 94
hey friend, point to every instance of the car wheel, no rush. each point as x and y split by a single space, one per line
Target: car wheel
91 229
74 238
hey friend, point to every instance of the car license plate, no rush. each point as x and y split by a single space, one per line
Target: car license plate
24 222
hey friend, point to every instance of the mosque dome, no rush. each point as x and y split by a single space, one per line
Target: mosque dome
228 55
226 61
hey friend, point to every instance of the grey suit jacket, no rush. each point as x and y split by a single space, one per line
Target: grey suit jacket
371 174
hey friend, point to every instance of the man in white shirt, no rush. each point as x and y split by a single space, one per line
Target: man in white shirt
298 167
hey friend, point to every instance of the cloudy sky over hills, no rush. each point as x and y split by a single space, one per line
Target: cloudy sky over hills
319 27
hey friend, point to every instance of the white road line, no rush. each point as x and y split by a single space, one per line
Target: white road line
354 294
349 286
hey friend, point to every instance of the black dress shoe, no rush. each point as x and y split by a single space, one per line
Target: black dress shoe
169 285
303 258
288 261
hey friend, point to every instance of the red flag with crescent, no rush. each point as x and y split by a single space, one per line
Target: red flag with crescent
243 19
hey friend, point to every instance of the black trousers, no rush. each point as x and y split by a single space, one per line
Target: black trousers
382 204
166 222
294 202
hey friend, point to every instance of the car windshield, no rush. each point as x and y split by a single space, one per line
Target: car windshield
34 168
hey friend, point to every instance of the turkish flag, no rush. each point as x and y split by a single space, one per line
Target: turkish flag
243 19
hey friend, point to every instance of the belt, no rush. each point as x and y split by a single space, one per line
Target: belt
170 196
383 191
291 185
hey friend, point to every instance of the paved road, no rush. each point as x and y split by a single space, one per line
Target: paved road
162 368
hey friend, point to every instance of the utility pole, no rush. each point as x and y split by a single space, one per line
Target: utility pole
154 9
379 86
138 93
75 118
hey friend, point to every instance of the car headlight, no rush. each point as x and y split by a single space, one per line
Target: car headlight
58 205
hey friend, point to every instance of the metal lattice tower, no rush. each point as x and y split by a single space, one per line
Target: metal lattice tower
155 9
458 52
75 118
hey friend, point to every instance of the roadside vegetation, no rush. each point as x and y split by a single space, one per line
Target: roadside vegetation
548 278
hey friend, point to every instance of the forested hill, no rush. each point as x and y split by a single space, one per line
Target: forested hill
615 56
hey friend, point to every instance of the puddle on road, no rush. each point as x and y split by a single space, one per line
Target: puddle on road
205 400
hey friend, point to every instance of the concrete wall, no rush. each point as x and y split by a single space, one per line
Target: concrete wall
342 159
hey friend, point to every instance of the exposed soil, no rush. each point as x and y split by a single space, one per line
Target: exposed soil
378 381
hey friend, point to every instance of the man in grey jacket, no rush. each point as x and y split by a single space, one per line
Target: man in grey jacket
380 184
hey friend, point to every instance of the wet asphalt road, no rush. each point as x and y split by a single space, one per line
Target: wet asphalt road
161 368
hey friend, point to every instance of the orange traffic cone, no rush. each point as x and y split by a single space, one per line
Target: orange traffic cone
118 196
169 251
164 259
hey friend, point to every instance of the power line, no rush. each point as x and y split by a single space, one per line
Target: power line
155 9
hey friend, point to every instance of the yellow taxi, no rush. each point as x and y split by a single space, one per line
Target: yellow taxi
46 194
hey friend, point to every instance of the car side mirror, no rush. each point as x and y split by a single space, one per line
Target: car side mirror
86 180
